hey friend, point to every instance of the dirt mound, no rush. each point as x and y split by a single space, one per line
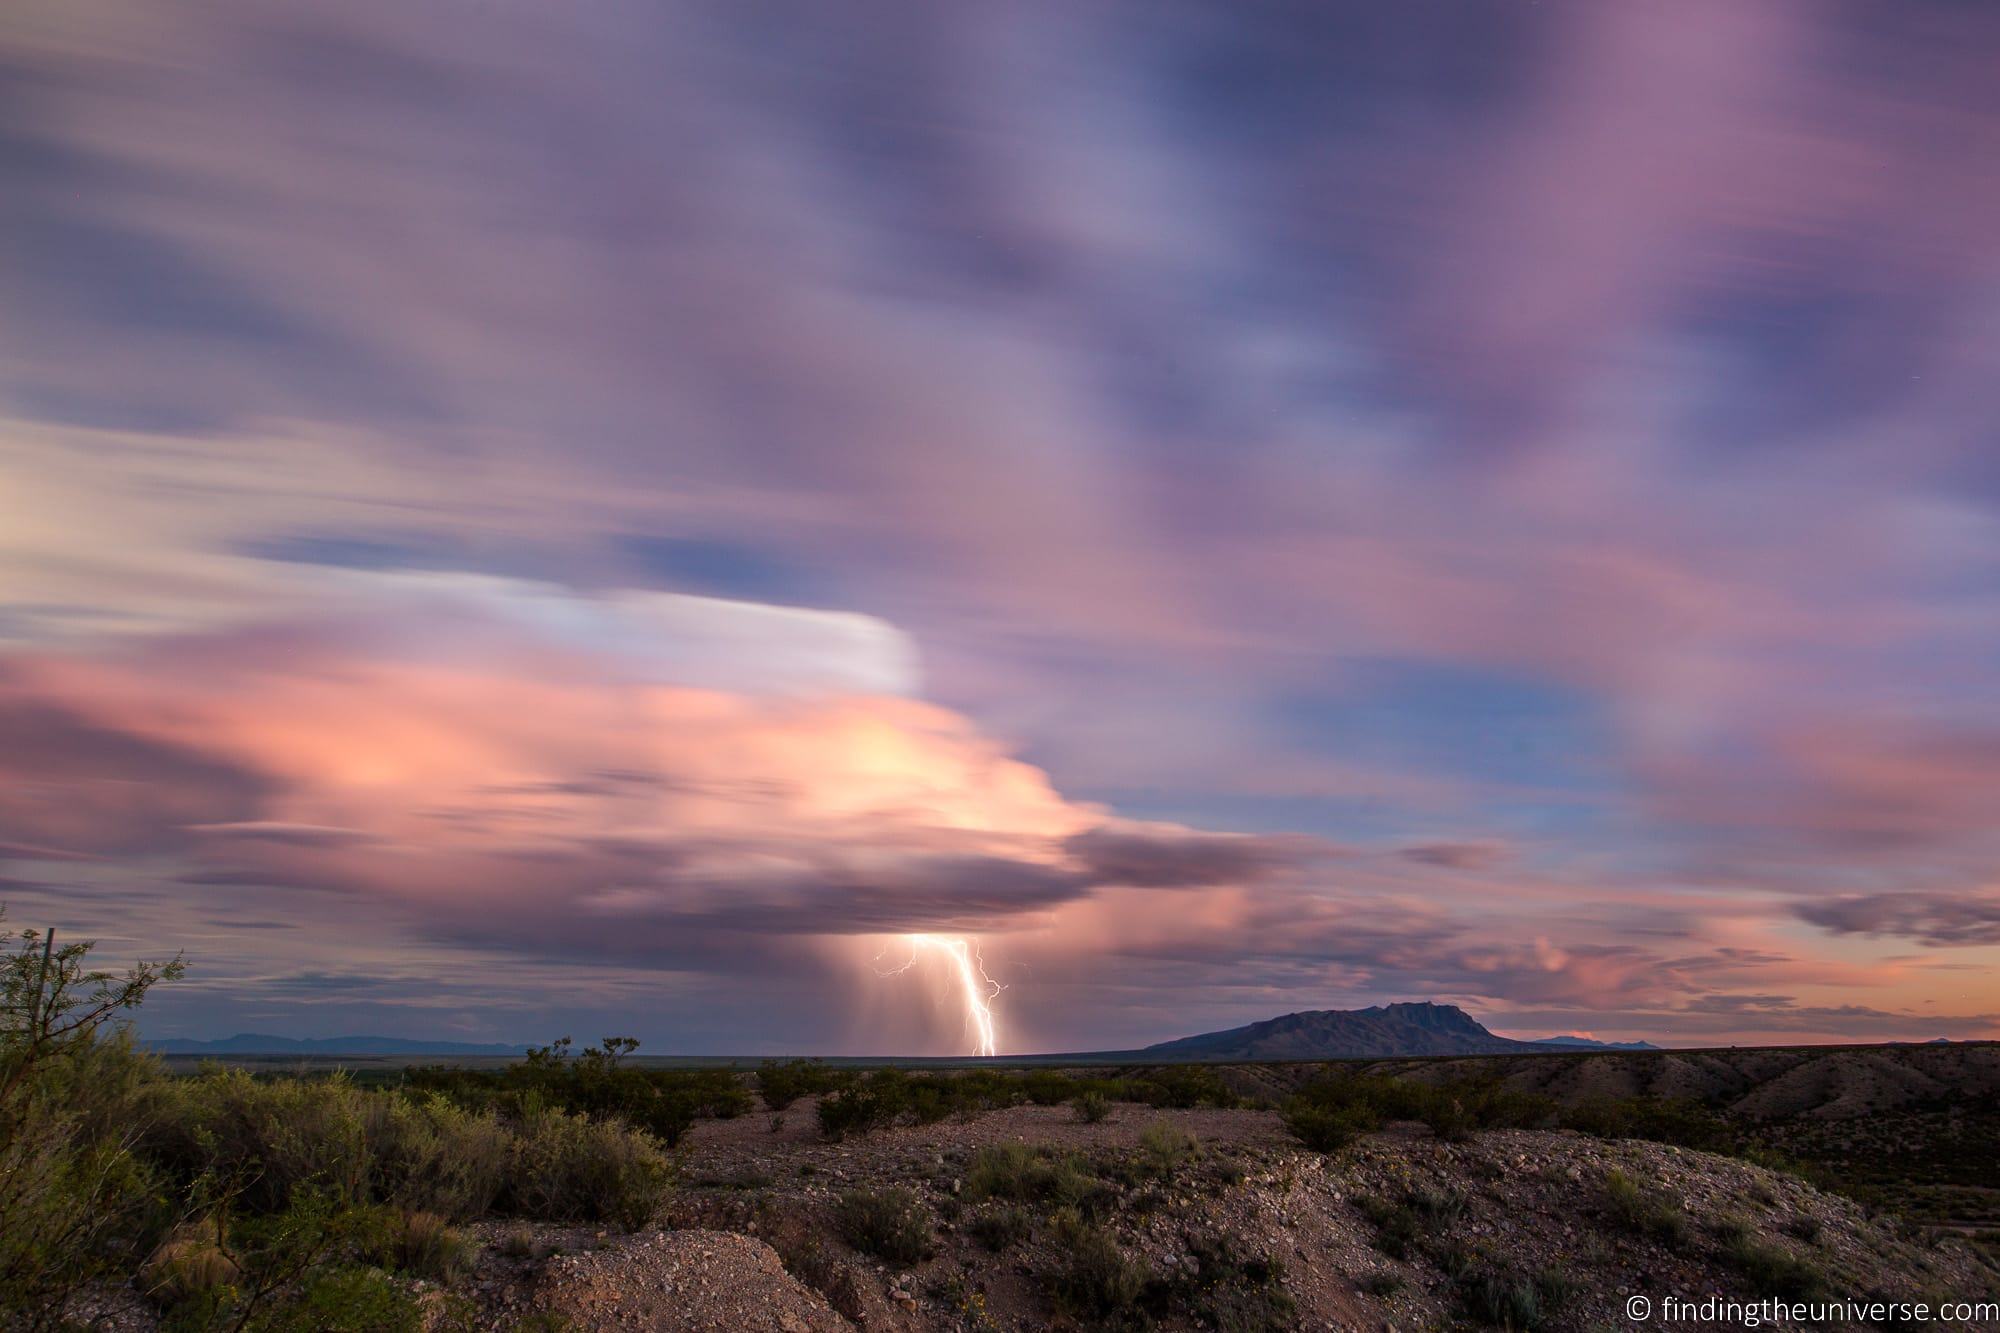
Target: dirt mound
692 1280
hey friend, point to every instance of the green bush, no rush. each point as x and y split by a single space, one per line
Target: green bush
597 1083
266 1137
421 1244
1001 1226
433 1156
1092 1107
782 1082
891 1224
566 1168
1164 1148
1327 1129
1331 1112
78 1201
1097 1279
344 1300
1022 1173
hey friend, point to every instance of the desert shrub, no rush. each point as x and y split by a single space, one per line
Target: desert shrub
890 1224
566 1168
1642 1211
189 1264
1092 1107
1774 1272
1421 1212
344 1300
1326 1129
434 1156
1022 1173
292 1270
1397 1226
266 1138
422 1245
1451 1256
1001 1171
1002 1225
1382 1282
1096 1279
518 1242
76 1197
1513 1301
1164 1148
782 1082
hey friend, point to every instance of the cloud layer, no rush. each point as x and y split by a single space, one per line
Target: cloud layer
1242 509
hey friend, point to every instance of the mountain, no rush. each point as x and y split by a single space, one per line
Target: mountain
1592 1044
1325 1034
257 1043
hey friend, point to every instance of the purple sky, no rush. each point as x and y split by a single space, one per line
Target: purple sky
525 518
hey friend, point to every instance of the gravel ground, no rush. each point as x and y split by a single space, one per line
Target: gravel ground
683 1280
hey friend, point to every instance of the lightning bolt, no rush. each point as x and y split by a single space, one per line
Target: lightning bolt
969 970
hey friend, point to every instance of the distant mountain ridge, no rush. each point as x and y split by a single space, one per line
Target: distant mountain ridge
259 1043
1414 1028
1593 1044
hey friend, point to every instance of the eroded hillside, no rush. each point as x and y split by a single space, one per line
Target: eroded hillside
1027 1218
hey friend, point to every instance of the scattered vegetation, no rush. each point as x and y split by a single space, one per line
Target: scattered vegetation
1330 1113
240 1202
1674 1120
599 1083
1235 1293
1024 1173
857 1103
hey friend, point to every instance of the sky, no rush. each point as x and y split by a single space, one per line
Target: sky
599 517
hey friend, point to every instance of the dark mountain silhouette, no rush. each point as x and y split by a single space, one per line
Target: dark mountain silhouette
258 1043
1325 1034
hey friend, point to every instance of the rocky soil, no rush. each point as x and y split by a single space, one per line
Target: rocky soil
1401 1232
1193 1219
